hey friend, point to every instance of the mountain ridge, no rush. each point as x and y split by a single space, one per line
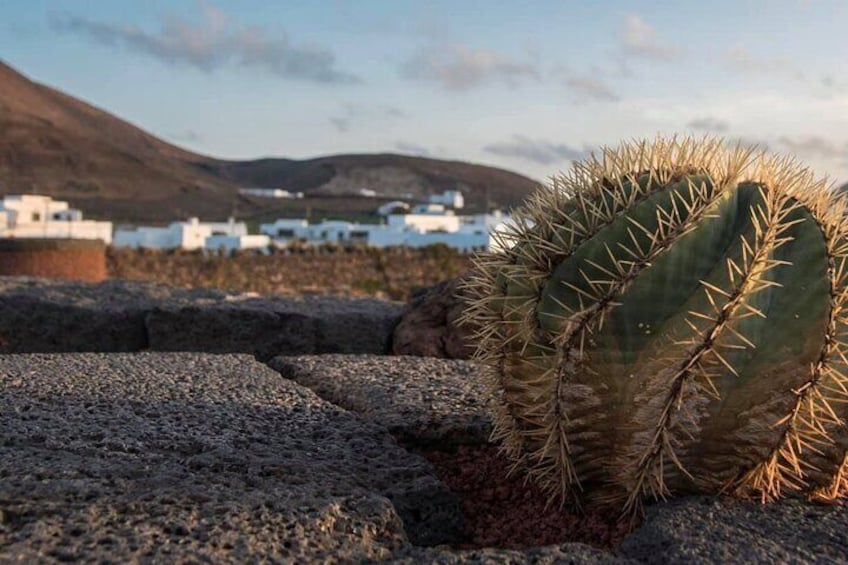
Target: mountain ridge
53 143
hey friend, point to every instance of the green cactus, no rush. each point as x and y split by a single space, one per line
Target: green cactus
670 318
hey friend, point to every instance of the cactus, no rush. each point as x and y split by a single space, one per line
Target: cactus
669 317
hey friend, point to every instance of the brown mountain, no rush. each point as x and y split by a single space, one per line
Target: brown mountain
52 143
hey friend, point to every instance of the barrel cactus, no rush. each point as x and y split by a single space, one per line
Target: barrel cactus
670 317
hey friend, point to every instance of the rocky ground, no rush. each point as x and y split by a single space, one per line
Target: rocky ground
139 423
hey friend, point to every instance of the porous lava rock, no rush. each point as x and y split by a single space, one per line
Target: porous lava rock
425 402
41 315
197 457
429 325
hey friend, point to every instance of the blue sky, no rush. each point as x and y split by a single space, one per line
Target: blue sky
525 86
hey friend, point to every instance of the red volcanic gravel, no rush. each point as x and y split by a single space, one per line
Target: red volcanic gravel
505 513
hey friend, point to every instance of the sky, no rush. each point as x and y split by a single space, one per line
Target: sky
527 86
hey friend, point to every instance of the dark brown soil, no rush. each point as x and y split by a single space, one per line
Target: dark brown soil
503 512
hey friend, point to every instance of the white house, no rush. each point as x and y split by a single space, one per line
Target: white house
426 217
465 233
450 198
270 193
235 242
37 216
177 235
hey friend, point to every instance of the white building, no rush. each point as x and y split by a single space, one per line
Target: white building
270 193
425 218
37 216
178 235
450 198
465 233
230 243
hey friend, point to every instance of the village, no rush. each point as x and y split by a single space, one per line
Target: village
435 221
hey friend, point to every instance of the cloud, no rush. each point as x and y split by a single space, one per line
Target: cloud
815 147
592 87
214 40
537 150
413 149
459 67
350 114
639 39
739 58
709 124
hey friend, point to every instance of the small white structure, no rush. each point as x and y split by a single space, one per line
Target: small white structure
231 243
392 207
270 193
177 235
425 218
367 192
37 216
449 198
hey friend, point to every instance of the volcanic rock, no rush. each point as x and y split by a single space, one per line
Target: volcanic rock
430 327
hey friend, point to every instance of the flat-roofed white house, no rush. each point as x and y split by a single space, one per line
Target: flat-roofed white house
191 234
426 217
465 233
221 242
38 216
449 198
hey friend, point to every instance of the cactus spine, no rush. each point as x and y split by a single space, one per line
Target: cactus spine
670 317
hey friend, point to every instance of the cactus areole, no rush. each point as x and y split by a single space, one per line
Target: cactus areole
669 317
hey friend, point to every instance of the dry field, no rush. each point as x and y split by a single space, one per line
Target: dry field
391 273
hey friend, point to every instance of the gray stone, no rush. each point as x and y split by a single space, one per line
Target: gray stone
179 456
423 401
273 326
43 315
40 315
567 553
713 530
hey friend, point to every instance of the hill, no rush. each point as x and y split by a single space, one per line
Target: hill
52 143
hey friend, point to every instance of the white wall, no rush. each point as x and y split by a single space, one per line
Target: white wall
178 235
86 229
147 237
236 242
425 222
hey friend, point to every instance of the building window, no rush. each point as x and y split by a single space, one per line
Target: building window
360 236
285 233
36 217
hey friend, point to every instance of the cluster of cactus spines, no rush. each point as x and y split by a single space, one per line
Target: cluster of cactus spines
671 317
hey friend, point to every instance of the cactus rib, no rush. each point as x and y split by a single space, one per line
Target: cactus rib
806 425
746 280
